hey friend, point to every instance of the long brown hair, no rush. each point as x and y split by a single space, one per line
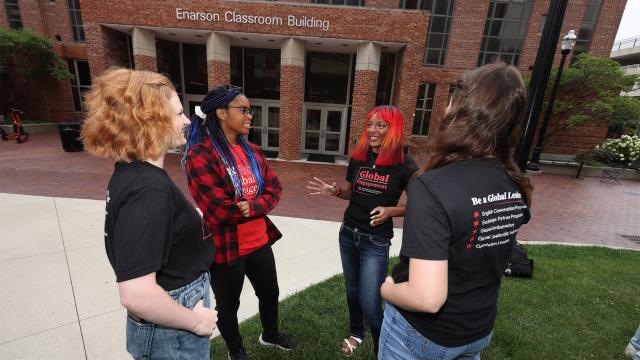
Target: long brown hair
484 119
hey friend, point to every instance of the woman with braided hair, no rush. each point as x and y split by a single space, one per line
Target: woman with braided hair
234 187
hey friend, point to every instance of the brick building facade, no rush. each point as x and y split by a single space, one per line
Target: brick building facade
312 71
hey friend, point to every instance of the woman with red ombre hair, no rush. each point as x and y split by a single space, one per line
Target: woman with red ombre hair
377 174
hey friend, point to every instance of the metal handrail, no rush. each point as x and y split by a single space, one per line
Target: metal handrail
626 44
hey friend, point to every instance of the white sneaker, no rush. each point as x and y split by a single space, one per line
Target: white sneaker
630 351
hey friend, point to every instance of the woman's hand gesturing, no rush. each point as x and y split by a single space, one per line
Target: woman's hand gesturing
320 187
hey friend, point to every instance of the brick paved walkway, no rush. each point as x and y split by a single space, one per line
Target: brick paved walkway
564 210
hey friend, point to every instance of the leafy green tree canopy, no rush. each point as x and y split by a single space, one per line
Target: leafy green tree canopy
27 56
589 94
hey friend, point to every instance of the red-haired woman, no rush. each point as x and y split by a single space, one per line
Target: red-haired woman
157 244
377 175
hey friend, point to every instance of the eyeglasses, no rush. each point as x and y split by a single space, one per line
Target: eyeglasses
244 110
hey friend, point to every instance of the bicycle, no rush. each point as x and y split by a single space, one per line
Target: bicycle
19 135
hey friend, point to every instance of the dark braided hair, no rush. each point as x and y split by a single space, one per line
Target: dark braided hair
219 98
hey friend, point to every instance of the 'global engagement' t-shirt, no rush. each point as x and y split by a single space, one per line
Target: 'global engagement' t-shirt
373 186
252 234
467 212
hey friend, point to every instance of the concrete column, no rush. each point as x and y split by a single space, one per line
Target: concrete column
364 89
291 98
218 60
144 49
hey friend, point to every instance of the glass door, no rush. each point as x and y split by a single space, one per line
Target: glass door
190 102
265 125
324 129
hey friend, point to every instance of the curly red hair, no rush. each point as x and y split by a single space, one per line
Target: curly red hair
129 115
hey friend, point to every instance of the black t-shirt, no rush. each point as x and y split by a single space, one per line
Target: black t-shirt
467 212
373 186
150 227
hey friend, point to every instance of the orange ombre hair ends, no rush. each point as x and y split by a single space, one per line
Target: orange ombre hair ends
391 150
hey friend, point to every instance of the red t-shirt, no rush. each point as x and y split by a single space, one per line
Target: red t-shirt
252 235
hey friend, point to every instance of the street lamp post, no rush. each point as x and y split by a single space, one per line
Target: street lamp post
568 42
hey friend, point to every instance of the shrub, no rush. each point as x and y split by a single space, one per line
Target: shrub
617 151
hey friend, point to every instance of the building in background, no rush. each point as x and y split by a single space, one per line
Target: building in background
627 53
312 69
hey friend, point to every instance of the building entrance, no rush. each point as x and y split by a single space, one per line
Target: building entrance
323 129
265 126
190 102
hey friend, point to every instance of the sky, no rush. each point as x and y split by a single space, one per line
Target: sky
629 26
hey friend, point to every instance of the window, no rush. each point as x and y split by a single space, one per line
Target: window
340 2
504 31
385 79
543 22
77 26
585 34
168 60
327 77
257 71
236 66
81 83
194 59
262 73
439 25
424 107
13 14
452 88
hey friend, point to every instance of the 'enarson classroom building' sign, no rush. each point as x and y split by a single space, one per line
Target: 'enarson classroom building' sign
234 17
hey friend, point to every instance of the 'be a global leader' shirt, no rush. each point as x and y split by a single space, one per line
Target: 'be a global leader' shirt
467 212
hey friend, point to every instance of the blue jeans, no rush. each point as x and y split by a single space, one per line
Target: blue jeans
635 341
365 259
151 341
400 341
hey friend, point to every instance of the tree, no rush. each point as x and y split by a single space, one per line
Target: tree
625 115
25 56
589 94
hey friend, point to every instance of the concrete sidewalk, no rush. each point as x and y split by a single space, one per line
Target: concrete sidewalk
61 300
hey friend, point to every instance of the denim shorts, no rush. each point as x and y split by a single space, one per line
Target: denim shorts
147 340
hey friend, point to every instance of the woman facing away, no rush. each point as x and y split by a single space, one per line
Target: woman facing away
155 240
234 187
377 174
461 221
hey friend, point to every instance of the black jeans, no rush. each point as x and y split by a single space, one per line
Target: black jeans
227 281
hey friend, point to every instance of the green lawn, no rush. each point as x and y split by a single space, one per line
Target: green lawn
583 303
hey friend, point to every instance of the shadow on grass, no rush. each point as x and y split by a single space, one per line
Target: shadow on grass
581 304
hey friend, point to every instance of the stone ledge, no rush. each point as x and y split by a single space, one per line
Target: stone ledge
33 128
571 169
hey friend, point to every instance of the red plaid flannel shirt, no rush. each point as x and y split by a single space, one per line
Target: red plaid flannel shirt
212 189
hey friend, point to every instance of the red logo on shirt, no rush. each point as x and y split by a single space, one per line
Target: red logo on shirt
370 182
249 184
